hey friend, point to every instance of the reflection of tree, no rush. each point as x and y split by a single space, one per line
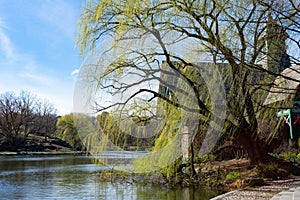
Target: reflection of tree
232 32
184 193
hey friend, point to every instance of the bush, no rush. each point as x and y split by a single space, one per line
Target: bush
291 156
233 175
204 159
271 170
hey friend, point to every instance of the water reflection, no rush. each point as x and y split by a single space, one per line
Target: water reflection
75 177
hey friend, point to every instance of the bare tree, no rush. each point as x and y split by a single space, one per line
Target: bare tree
11 122
46 118
23 115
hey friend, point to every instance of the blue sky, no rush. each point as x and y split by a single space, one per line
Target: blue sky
37 49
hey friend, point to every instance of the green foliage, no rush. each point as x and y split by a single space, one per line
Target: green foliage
66 131
233 175
110 128
291 156
171 169
166 151
115 134
221 42
204 159
100 11
161 160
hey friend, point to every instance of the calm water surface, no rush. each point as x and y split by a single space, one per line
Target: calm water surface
75 177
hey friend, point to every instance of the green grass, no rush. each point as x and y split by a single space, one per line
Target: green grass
233 175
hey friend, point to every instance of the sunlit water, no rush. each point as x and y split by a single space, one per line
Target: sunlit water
76 177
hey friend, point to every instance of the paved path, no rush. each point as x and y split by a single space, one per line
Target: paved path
291 194
275 190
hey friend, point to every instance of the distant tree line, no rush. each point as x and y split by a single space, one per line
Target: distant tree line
22 115
108 127
26 115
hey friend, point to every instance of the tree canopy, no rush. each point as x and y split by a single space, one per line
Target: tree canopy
247 43
66 130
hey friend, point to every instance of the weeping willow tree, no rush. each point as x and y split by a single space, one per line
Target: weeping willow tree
212 48
66 130
109 127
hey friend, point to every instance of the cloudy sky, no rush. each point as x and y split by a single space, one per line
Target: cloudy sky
37 49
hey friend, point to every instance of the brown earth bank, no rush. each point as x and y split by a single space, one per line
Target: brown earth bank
238 173
35 144
216 175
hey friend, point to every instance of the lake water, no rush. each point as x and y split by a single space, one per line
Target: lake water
76 177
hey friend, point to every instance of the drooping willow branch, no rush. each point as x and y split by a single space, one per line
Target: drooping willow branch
155 95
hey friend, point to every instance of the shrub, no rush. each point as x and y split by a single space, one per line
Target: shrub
204 159
233 175
291 156
271 170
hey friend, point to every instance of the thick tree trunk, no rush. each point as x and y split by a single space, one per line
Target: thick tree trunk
257 149
258 152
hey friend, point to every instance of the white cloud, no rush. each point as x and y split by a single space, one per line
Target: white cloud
6 47
20 71
24 69
75 72
54 90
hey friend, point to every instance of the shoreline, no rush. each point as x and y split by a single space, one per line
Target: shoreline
25 153
270 188
267 191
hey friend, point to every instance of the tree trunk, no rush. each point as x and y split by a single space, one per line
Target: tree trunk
193 172
257 149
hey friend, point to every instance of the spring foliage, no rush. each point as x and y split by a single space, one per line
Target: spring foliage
234 36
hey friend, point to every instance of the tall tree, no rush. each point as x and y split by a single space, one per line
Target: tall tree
247 36
66 130
46 118
23 115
